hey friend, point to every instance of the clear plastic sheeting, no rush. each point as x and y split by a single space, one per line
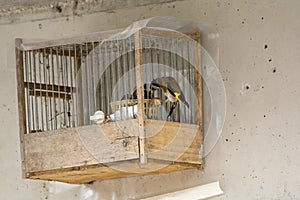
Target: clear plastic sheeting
136 188
108 74
104 89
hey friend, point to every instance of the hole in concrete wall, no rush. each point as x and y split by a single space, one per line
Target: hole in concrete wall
58 8
245 89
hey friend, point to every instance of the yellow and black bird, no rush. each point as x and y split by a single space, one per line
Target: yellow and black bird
169 86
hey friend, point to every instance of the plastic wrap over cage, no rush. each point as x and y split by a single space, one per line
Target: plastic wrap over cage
146 99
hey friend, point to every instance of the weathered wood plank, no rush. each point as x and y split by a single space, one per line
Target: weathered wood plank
174 141
80 175
165 33
21 101
92 37
140 97
78 146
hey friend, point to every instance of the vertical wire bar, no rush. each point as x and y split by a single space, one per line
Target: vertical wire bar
35 95
153 114
128 63
113 74
125 66
192 66
76 77
82 96
194 84
45 81
67 93
190 120
71 114
67 100
54 125
107 78
174 71
102 77
100 83
93 77
177 57
31 99
157 52
58 71
65 84
87 78
49 69
165 69
34 92
119 87
195 71
150 75
183 74
97 81
41 97
145 73
27 96
117 71
133 64
107 75
174 67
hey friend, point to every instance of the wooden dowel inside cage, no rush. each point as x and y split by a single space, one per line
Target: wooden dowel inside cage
140 97
50 88
40 93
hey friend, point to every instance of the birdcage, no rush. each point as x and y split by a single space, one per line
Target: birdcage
88 109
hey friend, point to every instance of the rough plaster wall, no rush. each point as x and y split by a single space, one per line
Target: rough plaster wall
13 11
258 154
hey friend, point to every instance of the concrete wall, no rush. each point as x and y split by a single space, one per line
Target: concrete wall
258 154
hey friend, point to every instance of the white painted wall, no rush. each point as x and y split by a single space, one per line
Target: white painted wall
258 154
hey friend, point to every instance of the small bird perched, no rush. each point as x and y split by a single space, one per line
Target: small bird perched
169 86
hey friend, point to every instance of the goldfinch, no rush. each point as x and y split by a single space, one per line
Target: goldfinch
169 86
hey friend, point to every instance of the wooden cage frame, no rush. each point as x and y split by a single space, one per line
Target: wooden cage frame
60 155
